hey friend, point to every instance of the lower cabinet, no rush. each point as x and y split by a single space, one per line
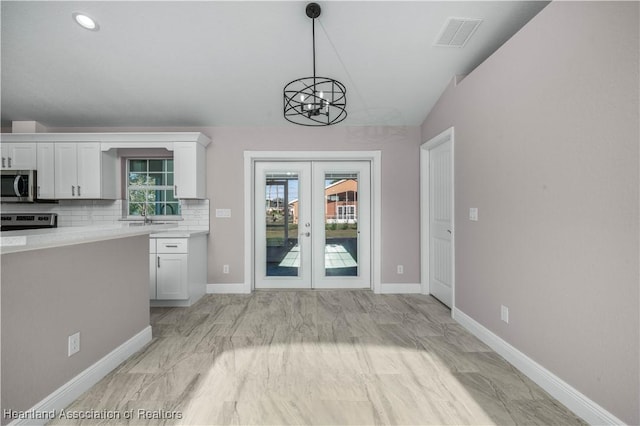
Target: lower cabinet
177 270
172 277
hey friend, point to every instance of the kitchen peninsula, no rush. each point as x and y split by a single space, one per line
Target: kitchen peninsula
58 282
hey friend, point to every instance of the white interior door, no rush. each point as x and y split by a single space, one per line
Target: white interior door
312 224
440 223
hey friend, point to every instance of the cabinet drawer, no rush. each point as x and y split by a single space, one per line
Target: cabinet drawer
172 245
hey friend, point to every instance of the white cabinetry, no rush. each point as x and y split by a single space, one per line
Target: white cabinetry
86 166
18 156
46 171
189 162
178 270
83 171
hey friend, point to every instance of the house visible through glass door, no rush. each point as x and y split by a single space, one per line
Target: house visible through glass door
312 227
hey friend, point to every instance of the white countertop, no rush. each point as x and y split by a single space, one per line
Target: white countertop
34 239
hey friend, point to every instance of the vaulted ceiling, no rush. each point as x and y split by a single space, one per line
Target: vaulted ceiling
215 63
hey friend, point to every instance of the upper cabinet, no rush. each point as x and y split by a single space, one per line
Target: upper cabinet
189 165
86 165
83 171
45 168
18 156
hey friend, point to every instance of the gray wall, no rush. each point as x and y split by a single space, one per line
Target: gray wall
44 300
546 134
400 189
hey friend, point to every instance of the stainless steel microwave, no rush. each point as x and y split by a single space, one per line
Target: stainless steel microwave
18 186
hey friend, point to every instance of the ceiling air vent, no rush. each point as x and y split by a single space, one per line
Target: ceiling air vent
457 31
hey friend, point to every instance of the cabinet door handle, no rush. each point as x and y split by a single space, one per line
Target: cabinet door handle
9 162
171 245
4 162
73 191
158 261
175 189
38 191
78 190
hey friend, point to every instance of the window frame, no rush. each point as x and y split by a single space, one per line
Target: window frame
342 212
127 188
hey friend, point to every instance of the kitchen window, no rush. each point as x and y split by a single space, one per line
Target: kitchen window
150 187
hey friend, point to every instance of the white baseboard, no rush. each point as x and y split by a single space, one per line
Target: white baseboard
171 303
584 407
70 391
233 288
400 288
385 288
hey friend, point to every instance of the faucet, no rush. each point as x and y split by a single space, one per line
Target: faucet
145 216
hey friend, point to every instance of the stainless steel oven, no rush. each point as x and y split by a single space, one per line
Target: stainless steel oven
18 186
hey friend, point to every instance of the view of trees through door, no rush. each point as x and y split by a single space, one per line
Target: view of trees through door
282 221
312 225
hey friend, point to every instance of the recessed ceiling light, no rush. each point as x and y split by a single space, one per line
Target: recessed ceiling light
85 21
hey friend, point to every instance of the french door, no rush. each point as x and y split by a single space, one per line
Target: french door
312 226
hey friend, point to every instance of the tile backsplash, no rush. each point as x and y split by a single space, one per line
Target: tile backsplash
195 213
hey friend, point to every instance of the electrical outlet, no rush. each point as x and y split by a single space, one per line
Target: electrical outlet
400 269
504 313
225 269
473 214
74 343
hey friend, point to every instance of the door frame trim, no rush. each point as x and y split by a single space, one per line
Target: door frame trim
250 157
425 148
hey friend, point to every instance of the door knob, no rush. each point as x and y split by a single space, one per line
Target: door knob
306 234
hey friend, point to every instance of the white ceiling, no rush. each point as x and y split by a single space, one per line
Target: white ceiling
211 63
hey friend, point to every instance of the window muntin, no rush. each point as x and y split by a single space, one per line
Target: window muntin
347 212
150 186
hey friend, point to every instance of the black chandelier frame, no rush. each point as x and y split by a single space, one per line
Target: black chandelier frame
315 101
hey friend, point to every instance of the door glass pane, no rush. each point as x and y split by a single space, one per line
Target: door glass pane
341 224
281 221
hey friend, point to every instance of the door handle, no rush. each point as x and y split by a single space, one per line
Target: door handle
16 186
73 191
9 162
175 190
449 230
305 234
78 190
158 261
38 190
4 162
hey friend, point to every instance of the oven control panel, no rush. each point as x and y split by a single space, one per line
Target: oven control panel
15 221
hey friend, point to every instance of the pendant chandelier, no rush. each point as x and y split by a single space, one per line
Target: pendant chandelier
315 101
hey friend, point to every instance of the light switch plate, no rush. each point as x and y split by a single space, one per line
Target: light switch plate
473 213
504 313
223 212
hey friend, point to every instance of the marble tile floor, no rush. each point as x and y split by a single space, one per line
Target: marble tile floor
316 357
